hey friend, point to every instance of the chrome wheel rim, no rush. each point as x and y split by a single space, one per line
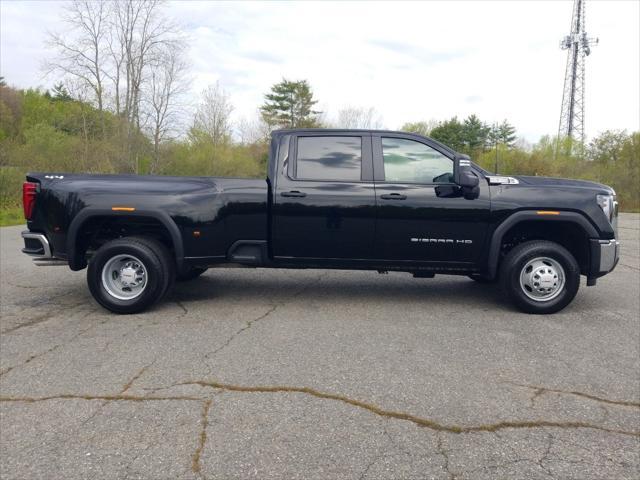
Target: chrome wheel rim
124 277
542 279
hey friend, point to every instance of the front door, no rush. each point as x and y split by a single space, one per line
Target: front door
421 214
324 203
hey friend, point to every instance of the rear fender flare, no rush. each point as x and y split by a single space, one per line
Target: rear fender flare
77 263
528 215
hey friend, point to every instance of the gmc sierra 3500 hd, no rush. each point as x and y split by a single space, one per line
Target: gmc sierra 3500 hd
341 199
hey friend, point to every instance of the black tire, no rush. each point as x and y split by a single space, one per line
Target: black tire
481 279
530 252
190 274
155 259
167 259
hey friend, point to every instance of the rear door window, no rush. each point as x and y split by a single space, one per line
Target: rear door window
329 158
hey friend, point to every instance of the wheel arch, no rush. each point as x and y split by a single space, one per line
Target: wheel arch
76 255
522 217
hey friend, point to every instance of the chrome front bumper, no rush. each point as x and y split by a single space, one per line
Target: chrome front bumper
605 255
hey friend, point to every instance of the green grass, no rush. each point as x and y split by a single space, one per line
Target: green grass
11 216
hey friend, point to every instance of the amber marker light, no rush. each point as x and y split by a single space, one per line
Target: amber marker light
547 212
123 209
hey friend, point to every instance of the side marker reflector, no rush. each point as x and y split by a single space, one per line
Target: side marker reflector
547 212
123 209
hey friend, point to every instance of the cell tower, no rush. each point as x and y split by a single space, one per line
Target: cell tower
579 46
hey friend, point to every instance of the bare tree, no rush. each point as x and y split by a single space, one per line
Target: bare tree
114 48
79 51
141 31
139 34
213 117
253 131
359 117
79 90
164 105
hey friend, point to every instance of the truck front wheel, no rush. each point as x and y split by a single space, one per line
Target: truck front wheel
128 275
540 276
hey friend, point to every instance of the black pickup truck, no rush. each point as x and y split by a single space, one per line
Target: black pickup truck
341 199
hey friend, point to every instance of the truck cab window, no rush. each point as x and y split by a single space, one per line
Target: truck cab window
414 162
329 158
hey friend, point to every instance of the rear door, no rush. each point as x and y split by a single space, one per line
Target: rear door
421 214
324 204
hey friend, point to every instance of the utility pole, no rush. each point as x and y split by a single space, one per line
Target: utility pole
578 45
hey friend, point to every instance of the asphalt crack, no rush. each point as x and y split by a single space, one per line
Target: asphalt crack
273 308
373 461
247 326
441 450
132 380
545 456
196 465
44 317
49 350
539 391
420 421
184 309
109 398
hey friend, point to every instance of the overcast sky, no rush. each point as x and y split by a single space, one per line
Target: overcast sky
411 61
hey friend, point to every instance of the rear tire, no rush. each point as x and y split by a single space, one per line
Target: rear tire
540 276
128 275
190 274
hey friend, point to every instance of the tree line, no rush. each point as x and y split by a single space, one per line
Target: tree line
55 132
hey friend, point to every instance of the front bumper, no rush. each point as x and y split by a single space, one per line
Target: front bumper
604 256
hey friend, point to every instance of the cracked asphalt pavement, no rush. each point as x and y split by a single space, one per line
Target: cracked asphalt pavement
317 375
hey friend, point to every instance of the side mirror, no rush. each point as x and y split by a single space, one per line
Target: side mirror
464 177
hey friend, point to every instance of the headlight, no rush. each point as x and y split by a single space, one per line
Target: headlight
606 203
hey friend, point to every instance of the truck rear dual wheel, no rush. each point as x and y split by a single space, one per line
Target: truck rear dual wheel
128 275
540 276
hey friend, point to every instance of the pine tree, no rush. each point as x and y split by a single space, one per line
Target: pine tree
60 93
507 134
451 133
290 105
475 133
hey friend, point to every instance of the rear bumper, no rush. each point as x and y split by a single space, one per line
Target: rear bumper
604 256
36 245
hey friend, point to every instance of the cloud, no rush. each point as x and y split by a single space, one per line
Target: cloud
265 57
473 99
416 52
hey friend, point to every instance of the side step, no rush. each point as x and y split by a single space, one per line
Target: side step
421 274
248 252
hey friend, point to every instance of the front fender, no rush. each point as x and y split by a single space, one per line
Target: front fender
529 215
